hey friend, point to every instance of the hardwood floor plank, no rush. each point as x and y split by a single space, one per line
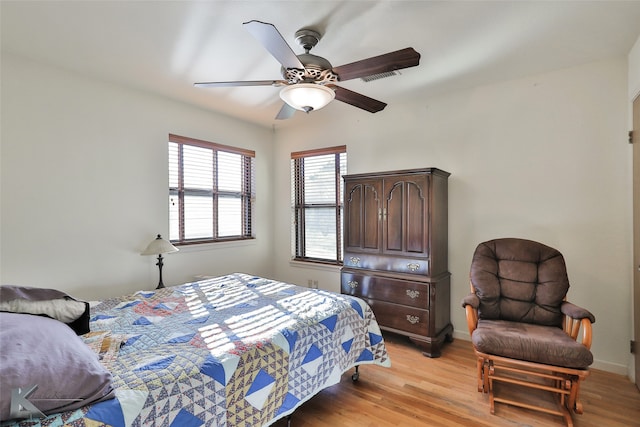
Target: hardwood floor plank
418 391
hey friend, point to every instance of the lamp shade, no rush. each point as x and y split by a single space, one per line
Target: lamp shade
159 246
307 96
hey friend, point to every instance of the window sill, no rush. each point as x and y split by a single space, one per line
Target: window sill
197 247
315 265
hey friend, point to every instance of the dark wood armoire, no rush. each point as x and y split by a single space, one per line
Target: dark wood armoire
395 252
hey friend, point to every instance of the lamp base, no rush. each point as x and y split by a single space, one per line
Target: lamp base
160 264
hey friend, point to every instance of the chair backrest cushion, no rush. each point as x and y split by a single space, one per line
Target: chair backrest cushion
519 280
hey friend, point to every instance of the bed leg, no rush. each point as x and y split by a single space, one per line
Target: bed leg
355 375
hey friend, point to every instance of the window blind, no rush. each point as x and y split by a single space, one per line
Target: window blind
317 193
211 191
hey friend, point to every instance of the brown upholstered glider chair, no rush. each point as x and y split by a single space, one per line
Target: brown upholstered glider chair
523 331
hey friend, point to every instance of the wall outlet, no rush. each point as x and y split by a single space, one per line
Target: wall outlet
315 284
310 283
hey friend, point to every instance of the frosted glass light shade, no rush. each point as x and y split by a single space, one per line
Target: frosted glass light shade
307 96
159 246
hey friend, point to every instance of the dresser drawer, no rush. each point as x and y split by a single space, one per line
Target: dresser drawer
387 263
400 317
405 292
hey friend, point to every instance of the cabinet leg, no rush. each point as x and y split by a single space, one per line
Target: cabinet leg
431 347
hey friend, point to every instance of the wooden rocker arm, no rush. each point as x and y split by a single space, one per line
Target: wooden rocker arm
576 319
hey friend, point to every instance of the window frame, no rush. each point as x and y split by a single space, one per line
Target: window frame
246 194
299 243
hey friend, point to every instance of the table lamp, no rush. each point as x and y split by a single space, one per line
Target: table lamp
159 246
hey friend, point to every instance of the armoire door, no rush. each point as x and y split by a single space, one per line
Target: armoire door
405 215
363 216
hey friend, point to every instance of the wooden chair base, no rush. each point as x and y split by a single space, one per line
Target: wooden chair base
562 383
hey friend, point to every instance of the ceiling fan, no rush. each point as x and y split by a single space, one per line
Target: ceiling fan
309 80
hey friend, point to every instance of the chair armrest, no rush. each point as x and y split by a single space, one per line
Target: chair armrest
471 303
576 312
578 318
472 300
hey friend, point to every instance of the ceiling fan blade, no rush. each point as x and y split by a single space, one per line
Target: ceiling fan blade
242 83
403 58
272 40
286 112
358 100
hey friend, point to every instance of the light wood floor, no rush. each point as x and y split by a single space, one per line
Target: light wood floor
419 391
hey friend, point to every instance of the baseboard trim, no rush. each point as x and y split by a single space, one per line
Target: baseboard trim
615 368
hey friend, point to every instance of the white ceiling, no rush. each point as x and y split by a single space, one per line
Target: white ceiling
165 46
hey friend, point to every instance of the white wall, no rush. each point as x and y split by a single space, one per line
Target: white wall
543 157
84 184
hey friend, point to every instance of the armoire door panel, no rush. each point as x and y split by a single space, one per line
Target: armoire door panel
353 217
392 218
416 217
372 216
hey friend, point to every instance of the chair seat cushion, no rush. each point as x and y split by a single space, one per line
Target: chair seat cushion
534 343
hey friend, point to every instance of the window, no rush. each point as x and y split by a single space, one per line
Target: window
211 191
316 201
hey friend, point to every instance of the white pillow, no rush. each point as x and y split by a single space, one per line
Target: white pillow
65 311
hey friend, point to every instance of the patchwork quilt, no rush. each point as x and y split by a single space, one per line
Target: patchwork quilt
236 350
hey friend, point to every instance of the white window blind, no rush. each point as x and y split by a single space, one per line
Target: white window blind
211 191
316 196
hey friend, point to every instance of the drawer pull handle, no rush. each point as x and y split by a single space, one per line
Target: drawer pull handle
352 284
355 260
413 266
413 294
413 319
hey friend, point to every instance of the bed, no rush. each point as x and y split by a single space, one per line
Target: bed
235 350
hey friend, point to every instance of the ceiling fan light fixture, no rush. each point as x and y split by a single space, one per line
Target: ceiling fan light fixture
307 96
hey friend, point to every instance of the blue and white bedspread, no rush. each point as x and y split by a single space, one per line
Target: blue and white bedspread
236 350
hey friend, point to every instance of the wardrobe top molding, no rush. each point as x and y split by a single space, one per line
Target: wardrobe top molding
432 171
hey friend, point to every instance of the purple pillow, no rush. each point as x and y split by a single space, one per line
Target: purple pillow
36 350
